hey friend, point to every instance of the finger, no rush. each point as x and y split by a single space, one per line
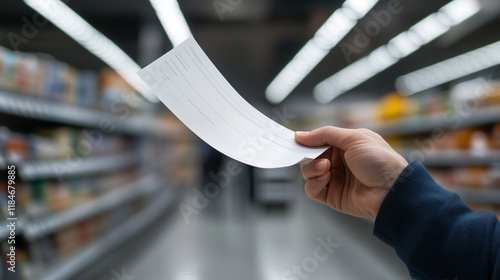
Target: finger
316 188
315 168
337 182
329 135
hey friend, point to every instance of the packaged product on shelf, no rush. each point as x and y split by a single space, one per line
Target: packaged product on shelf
70 76
42 147
395 106
86 89
469 92
106 143
58 196
86 232
460 140
17 147
116 180
94 185
37 76
23 191
21 74
471 177
434 105
485 94
115 93
494 95
56 87
37 206
66 241
27 74
63 138
480 143
352 115
8 61
81 191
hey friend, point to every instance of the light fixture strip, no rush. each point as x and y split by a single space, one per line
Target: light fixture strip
450 69
399 47
170 15
328 36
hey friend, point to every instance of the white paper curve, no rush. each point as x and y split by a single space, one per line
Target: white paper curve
190 85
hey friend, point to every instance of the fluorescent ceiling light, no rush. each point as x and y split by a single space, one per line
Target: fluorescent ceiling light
327 37
399 47
172 19
449 70
94 41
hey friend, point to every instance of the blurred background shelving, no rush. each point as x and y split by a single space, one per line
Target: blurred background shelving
109 181
91 169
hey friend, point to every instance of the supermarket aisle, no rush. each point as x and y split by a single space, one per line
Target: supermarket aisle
262 245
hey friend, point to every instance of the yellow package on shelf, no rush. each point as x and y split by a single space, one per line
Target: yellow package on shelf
394 106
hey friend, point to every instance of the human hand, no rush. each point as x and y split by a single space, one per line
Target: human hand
355 174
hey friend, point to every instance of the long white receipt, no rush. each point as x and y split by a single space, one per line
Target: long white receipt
190 85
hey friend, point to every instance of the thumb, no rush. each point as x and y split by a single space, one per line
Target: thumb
328 135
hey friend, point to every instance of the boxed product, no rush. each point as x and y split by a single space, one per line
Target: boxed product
86 89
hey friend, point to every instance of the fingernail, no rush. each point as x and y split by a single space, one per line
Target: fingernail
302 133
320 165
323 177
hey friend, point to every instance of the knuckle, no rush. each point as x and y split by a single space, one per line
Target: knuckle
365 131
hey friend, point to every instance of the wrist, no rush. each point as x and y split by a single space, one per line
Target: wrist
395 171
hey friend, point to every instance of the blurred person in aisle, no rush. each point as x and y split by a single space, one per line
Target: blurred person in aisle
211 161
431 229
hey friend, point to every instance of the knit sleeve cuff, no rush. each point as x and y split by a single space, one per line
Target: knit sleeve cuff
409 209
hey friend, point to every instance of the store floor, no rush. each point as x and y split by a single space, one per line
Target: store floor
232 240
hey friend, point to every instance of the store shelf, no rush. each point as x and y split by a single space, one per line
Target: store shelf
65 269
484 196
421 124
61 169
33 108
453 158
41 227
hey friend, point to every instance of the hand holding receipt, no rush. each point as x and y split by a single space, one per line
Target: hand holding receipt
190 85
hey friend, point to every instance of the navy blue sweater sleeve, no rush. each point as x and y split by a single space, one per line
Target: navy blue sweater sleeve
435 233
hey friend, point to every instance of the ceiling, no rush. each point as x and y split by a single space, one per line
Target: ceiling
253 41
